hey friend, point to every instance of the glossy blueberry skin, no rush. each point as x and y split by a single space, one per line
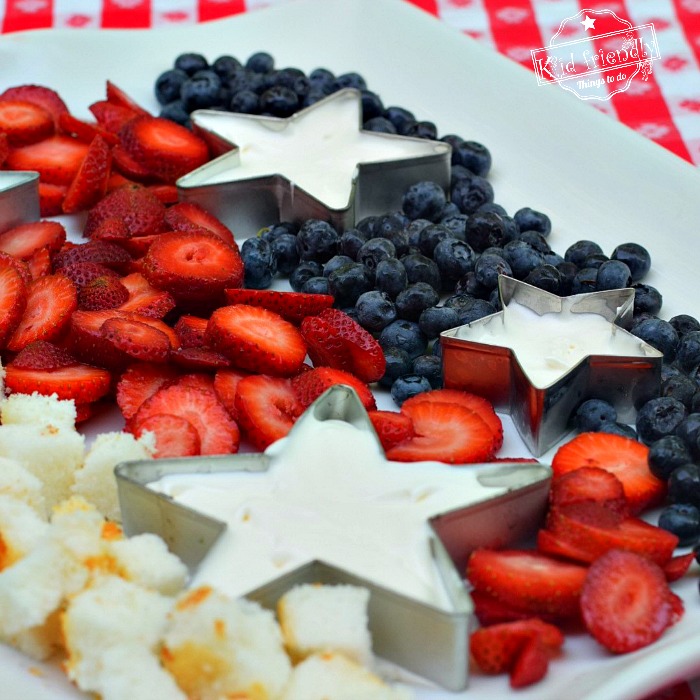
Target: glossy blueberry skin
470 194
585 281
688 352
531 220
322 78
349 80
457 224
613 274
175 111
259 263
374 251
405 335
579 251
375 310
284 248
423 130
398 363
168 84
245 102
437 319
659 417
372 105
647 299
683 323
414 229
390 277
401 118
659 334
468 284
485 229
313 96
304 271
260 62
317 240
420 268
595 260
522 258
680 387
469 308
225 66
667 454
279 101
430 236
536 240
424 200
407 386
635 256
316 285
348 282
201 90
246 80
350 242
335 263
380 125
568 272
473 156
454 258
488 268
689 431
412 301
592 413
190 63
617 428
684 485
683 520
391 229
430 367
545 277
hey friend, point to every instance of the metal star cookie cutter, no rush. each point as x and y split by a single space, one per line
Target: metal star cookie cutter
422 638
542 414
19 198
374 183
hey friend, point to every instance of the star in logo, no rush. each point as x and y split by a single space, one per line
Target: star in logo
588 23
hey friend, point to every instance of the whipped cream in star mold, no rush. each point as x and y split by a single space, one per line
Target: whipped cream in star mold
331 495
317 149
548 346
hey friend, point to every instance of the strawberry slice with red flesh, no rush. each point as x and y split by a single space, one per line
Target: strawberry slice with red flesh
50 198
256 340
203 359
188 216
677 567
310 385
112 230
13 300
197 380
625 601
392 427
90 182
166 149
24 240
531 664
79 382
50 302
111 117
24 122
168 194
144 299
105 292
137 339
445 432
139 382
589 485
43 355
624 457
218 433
193 265
293 306
57 158
117 96
175 436
40 263
82 130
191 330
528 581
336 340
129 167
20 266
464 398
226 386
267 408
4 148
100 252
39 95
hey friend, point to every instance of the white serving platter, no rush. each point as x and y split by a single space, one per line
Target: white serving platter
595 178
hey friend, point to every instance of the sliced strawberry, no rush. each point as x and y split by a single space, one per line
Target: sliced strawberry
137 246
175 436
256 340
294 306
82 273
111 117
188 216
555 546
4 148
445 432
57 158
139 382
392 427
218 433
167 194
90 182
20 266
677 567
191 330
193 265
105 292
531 664
528 581
24 122
267 408
310 385
50 302
84 411
130 168
196 380
24 240
117 180
464 398
164 148
226 386
100 252
589 485
43 355
142 213
144 299
79 382
137 339
336 340
203 359
83 131
13 300
117 96
624 457
40 95
112 230
625 601
40 263
51 199
491 611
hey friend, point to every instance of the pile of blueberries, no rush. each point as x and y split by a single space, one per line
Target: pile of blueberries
408 275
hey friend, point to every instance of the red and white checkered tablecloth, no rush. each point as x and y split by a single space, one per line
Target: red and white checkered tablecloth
665 108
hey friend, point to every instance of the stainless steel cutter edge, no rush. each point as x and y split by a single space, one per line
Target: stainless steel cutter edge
19 198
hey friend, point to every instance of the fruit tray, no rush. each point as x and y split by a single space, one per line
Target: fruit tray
594 178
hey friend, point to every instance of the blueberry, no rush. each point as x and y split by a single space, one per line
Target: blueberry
536 240
168 84
398 363
375 310
468 284
201 90
316 285
530 220
592 413
313 96
613 274
485 229
647 299
270 233
175 111
245 102
321 78
284 248
304 271
372 106
459 172
682 520
350 242
660 335
489 267
470 194
424 200
554 259
688 351
680 387
246 80
568 272
457 224
437 319
454 258
350 80
469 308
260 62
390 277
430 236
380 125
579 251
407 386
420 268
414 229
659 417
423 130
595 260
374 251
279 101
452 139
317 240
545 277
259 263
405 335
617 428
472 155
367 226
666 454
393 230
522 258
635 256
225 66
689 431
348 282
401 118
683 323
412 301
190 63
288 77
585 281
450 210
684 485
430 367
335 263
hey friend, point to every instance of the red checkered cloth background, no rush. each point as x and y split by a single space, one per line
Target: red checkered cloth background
665 108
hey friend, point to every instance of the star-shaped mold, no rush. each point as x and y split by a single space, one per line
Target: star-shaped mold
542 355
324 505
19 198
316 164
